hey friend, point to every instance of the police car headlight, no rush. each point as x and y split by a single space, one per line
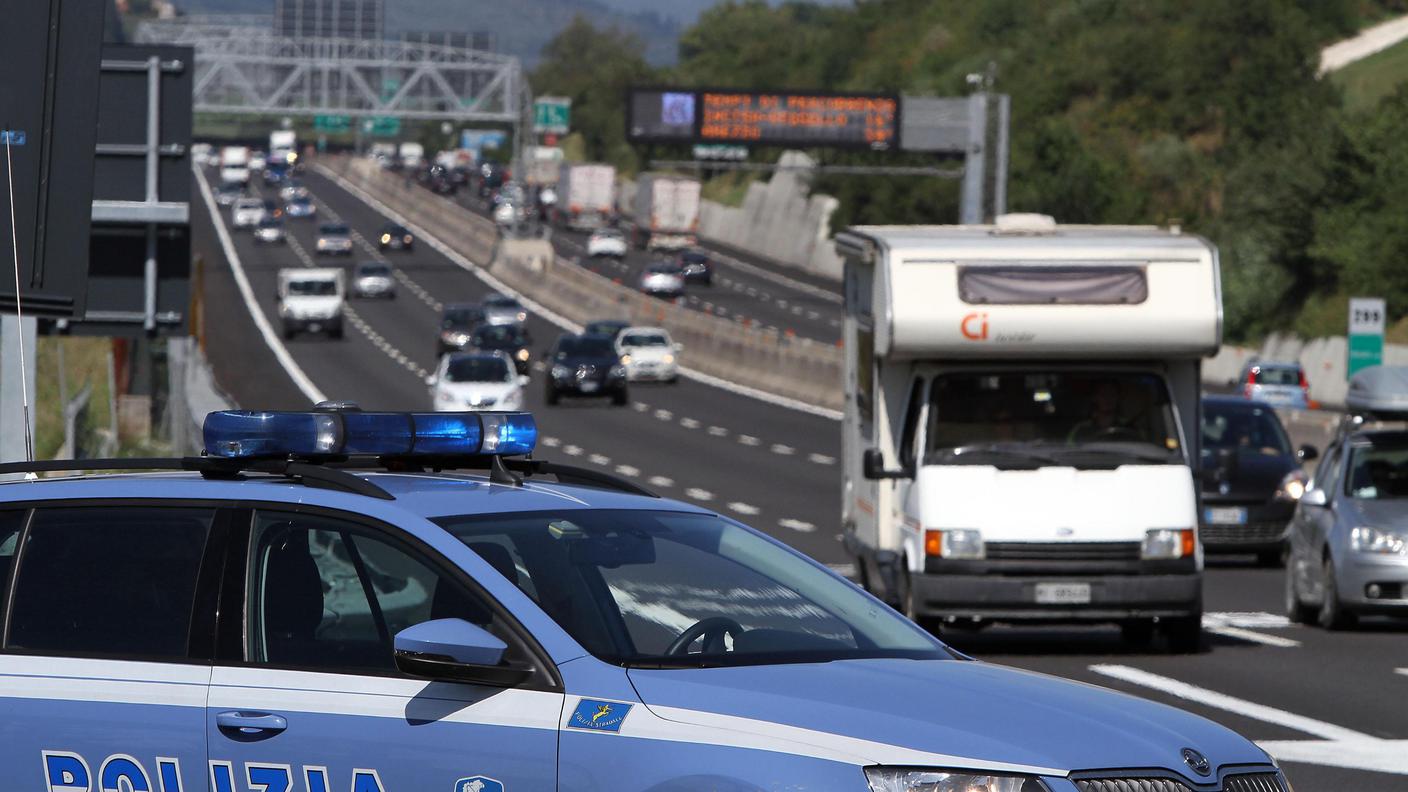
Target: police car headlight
885 779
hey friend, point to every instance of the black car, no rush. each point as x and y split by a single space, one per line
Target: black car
697 267
395 237
457 323
1251 478
511 339
491 178
606 327
585 365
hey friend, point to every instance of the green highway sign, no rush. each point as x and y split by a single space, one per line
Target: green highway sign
332 123
552 115
1366 333
381 126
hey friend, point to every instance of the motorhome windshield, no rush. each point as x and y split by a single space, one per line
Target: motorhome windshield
1050 417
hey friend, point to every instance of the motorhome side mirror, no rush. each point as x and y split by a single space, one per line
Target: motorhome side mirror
1315 497
1307 453
873 466
453 650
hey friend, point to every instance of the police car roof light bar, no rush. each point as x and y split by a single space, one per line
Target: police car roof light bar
329 433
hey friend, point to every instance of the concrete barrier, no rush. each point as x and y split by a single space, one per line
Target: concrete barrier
772 362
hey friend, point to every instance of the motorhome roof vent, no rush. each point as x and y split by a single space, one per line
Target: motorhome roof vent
1024 223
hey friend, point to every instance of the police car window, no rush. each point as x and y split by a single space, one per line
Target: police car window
11 523
327 594
108 581
644 588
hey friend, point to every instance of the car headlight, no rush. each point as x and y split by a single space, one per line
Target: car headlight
522 316
959 543
616 371
903 779
522 355
669 359
1292 486
385 238
561 372
1168 543
625 360
1367 539
406 239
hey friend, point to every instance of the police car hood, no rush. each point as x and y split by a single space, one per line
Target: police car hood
981 712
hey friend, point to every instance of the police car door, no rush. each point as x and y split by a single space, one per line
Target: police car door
305 694
107 647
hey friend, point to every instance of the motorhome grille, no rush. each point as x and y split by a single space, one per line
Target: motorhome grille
1062 551
1248 782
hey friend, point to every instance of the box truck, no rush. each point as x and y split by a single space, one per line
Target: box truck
666 212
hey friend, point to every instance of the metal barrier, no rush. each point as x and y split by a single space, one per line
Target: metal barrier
193 393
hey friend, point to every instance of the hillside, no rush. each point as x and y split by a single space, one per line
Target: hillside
1365 83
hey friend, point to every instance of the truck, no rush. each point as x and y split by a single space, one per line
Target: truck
412 155
542 166
586 196
234 164
1022 420
283 146
666 212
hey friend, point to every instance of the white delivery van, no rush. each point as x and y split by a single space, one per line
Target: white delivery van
311 300
1021 418
412 155
234 165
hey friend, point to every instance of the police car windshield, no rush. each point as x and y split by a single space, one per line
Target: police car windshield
669 589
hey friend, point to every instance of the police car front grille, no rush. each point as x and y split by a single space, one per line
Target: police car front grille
1062 551
1245 782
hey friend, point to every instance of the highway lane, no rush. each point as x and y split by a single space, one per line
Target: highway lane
768 466
1314 683
744 290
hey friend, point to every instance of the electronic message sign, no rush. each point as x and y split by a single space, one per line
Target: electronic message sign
763 118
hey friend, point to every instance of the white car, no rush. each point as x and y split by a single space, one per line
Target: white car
258 161
507 214
607 242
311 301
662 279
270 231
247 213
293 191
476 381
501 309
648 353
373 279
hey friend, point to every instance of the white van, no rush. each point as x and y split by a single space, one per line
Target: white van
1021 418
311 301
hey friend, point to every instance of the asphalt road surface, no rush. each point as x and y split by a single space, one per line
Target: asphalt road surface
1332 706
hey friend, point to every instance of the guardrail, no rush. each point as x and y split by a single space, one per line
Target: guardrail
774 363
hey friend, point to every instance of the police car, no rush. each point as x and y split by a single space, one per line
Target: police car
339 600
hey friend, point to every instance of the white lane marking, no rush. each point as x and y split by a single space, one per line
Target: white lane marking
821 459
561 321
571 450
598 459
261 322
699 494
661 481
744 508
756 271
1238 625
627 470
749 440
664 415
640 406
718 431
689 423
392 352
1338 746
551 442
784 450
797 525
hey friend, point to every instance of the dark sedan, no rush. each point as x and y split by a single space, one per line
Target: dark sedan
1251 478
513 340
395 237
585 365
457 324
697 267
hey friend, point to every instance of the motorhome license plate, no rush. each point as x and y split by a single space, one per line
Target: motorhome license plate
1225 515
1062 593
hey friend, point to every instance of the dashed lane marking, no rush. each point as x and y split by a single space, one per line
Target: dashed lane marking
796 525
1245 626
784 450
551 442
699 494
821 459
689 423
718 431
744 508
749 440
661 481
571 450
664 415
627 470
599 459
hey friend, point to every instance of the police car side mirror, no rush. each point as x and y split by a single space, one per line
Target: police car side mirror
453 650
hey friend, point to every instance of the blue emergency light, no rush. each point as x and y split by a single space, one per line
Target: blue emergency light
243 434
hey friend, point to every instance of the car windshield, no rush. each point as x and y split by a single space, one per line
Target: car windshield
249 203
462 317
501 336
374 270
694 258
270 222
663 269
670 589
604 328
301 202
500 302
609 234
1379 471
1249 428
477 369
312 288
333 230
394 230
585 347
644 340
1040 418
1276 375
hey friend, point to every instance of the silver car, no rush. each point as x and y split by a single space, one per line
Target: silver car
1349 533
500 309
663 279
1277 384
373 279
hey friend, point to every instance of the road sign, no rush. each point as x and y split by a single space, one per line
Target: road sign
332 123
719 151
382 126
763 118
552 115
477 140
1366 333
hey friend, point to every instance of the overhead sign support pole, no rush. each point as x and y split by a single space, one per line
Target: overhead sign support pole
971 204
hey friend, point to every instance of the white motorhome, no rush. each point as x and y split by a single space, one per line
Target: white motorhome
1021 421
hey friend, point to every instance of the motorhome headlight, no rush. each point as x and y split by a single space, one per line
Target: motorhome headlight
1168 543
955 543
908 779
1367 539
1292 486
